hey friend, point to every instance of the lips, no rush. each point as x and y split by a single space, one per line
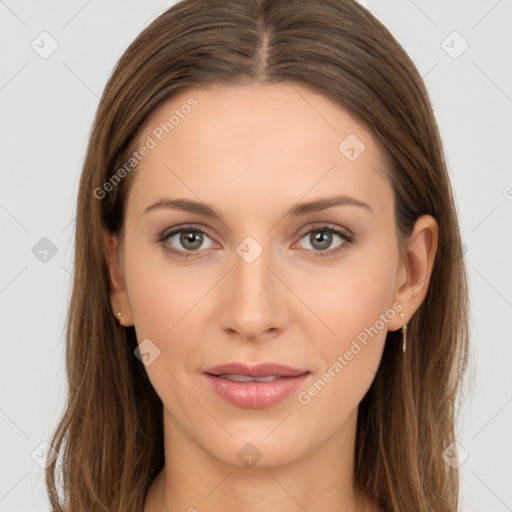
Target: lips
254 387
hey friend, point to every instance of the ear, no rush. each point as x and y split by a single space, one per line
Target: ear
413 277
118 293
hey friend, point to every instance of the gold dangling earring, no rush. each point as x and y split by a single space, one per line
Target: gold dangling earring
404 334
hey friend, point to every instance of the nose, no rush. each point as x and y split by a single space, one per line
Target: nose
253 299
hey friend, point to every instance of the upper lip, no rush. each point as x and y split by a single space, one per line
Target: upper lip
258 370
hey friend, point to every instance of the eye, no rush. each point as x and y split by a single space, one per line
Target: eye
184 241
187 239
321 238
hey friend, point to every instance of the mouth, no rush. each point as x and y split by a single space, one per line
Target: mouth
246 378
262 370
255 387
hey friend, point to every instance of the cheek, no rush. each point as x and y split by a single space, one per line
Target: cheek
356 306
353 296
162 300
349 358
160 294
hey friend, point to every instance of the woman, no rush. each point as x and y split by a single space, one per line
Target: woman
305 352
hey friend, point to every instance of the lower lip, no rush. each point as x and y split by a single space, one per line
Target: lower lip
255 395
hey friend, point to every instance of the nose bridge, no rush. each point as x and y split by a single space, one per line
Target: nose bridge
254 303
252 277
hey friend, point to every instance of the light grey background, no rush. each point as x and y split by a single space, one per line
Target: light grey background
48 106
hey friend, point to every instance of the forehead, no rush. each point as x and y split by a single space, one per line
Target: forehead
259 141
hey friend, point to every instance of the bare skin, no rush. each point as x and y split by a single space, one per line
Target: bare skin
253 152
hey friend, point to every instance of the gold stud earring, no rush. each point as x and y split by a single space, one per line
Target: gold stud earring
119 315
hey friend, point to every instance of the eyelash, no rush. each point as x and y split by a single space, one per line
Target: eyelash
342 233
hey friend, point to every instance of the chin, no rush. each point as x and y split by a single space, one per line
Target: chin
256 449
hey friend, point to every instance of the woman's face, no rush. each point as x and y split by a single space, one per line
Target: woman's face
263 280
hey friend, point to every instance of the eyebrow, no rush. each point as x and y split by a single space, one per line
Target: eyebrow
298 210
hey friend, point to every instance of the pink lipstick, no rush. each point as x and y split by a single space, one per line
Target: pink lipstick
255 387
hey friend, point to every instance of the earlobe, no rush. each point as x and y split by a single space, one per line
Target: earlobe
419 261
118 293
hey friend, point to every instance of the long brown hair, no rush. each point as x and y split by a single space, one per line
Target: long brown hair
110 436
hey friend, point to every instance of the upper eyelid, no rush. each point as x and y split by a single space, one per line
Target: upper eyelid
186 227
